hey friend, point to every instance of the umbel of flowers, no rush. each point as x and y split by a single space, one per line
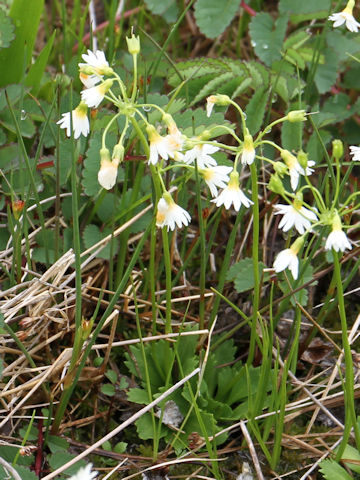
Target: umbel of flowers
168 149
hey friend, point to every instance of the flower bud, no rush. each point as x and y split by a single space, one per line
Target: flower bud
17 208
280 168
133 44
276 185
338 149
296 116
118 154
302 158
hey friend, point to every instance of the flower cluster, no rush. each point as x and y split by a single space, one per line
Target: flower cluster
168 148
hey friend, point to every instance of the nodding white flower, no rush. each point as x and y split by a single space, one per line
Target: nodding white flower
80 121
295 216
164 147
337 238
201 153
288 258
210 102
346 16
169 214
89 80
97 61
84 473
93 96
355 151
216 177
295 169
108 170
232 194
248 153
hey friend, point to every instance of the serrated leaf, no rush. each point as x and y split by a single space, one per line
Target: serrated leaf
108 389
59 459
57 444
212 16
326 75
301 11
296 40
166 8
295 58
111 375
244 85
268 36
259 74
350 453
255 110
138 395
211 86
6 30
333 471
92 235
25 473
242 274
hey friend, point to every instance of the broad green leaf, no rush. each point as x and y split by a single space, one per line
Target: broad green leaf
242 274
6 30
166 8
111 375
25 16
120 447
36 71
255 110
212 16
302 11
59 459
138 395
326 74
291 132
351 453
92 235
108 389
267 36
25 473
331 470
57 444
212 86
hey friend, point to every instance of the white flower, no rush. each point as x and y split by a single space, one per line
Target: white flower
169 214
89 80
355 151
164 147
248 153
295 169
287 259
84 473
232 194
299 217
94 95
80 121
202 154
210 102
108 170
216 177
338 241
97 61
346 16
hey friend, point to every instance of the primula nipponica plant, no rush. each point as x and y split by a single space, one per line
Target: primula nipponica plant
170 150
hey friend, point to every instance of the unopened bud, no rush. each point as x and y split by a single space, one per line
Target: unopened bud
296 116
133 44
276 185
17 208
338 149
280 168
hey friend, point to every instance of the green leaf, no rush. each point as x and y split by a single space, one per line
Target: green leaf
58 459
255 110
268 36
212 86
242 274
326 74
166 8
333 471
111 375
92 235
36 72
212 16
25 473
25 16
302 11
108 389
6 30
291 132
120 447
351 453
57 444
138 395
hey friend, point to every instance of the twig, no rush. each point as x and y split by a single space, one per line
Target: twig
252 450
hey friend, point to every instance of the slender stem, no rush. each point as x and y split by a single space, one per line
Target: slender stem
167 261
255 257
350 415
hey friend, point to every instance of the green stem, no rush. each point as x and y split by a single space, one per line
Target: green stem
350 415
255 257
167 261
